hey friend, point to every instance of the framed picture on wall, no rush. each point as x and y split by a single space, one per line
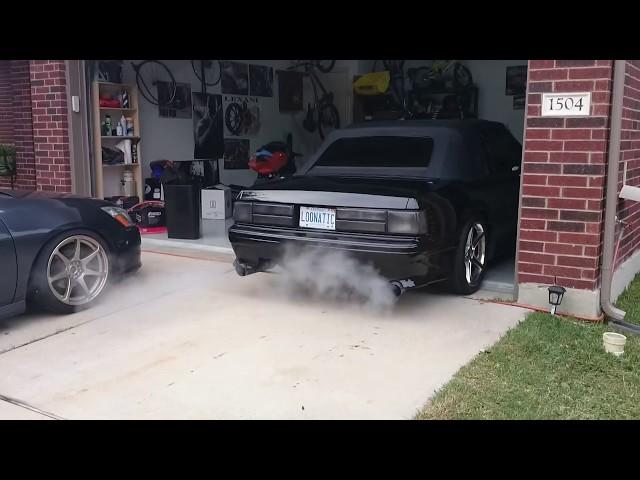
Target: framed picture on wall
208 130
180 107
235 78
516 80
290 91
519 102
236 154
260 81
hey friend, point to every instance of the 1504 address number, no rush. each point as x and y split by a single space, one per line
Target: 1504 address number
566 104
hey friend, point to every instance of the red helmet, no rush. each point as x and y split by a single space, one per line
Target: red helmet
265 162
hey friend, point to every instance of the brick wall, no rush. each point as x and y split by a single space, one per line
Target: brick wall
6 103
18 83
629 211
564 172
50 125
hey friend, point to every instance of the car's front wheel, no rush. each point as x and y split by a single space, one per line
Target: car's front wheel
470 259
70 273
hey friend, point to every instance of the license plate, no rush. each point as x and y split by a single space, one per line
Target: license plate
322 218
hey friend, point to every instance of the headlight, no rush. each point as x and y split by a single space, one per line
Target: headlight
407 222
120 215
243 212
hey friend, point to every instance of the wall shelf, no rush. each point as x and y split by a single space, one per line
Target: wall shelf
108 176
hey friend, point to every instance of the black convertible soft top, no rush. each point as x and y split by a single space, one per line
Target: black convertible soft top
457 151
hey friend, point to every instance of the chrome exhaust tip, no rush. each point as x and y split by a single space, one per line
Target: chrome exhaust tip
397 288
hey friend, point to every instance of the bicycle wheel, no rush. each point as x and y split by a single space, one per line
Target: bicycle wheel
328 119
212 71
325 66
461 76
233 118
150 75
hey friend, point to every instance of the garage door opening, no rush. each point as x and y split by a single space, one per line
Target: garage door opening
248 104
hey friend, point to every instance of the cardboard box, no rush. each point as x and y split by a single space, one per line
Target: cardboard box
216 203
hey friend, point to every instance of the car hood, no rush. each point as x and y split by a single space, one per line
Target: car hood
66 198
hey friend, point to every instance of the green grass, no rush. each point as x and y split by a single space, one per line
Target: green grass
629 301
548 368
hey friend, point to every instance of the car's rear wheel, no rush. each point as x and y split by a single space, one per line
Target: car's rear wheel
470 260
70 273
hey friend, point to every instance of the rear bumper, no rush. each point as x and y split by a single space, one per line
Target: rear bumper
396 257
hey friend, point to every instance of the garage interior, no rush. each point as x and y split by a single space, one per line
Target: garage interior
158 134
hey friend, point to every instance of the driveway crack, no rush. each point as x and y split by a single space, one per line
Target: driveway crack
26 406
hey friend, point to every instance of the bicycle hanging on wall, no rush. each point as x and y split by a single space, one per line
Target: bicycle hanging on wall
412 91
149 74
208 72
323 115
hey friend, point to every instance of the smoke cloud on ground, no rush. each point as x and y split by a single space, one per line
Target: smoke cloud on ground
334 275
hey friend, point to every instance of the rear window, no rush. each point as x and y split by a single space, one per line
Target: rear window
379 151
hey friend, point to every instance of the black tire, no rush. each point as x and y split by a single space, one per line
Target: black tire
458 280
148 73
40 292
462 77
328 119
325 66
216 71
233 118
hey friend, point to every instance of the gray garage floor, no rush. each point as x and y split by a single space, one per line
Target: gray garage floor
188 339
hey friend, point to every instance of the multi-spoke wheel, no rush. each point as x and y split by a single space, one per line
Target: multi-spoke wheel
474 255
470 260
71 272
77 270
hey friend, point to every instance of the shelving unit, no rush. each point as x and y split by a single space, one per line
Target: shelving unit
108 176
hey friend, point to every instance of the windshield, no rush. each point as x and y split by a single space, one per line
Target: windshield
376 152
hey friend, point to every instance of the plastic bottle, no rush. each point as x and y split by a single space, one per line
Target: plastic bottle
107 126
123 125
128 183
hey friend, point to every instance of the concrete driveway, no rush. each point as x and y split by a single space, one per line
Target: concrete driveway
189 339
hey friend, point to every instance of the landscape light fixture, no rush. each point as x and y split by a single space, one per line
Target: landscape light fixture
556 292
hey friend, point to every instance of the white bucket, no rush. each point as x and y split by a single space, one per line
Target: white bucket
614 342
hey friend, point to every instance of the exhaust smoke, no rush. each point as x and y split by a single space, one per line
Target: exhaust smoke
333 275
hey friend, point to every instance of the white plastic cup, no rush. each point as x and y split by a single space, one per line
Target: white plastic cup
614 343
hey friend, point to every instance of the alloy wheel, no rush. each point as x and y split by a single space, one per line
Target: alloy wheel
77 270
474 253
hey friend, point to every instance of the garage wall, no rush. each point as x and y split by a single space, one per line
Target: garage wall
493 104
172 138
490 77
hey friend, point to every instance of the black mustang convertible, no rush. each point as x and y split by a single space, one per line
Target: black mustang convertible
425 201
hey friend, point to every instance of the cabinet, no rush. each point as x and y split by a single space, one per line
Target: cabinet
108 176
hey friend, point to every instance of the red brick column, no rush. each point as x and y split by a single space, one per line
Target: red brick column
564 176
18 115
6 103
50 125
629 211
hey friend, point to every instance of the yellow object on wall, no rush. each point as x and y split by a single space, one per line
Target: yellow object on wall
375 83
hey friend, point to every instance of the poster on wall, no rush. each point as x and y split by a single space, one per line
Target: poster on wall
241 116
519 102
236 154
235 78
208 133
260 81
180 107
516 82
290 91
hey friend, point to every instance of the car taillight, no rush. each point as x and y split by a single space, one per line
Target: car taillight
120 215
413 222
243 212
